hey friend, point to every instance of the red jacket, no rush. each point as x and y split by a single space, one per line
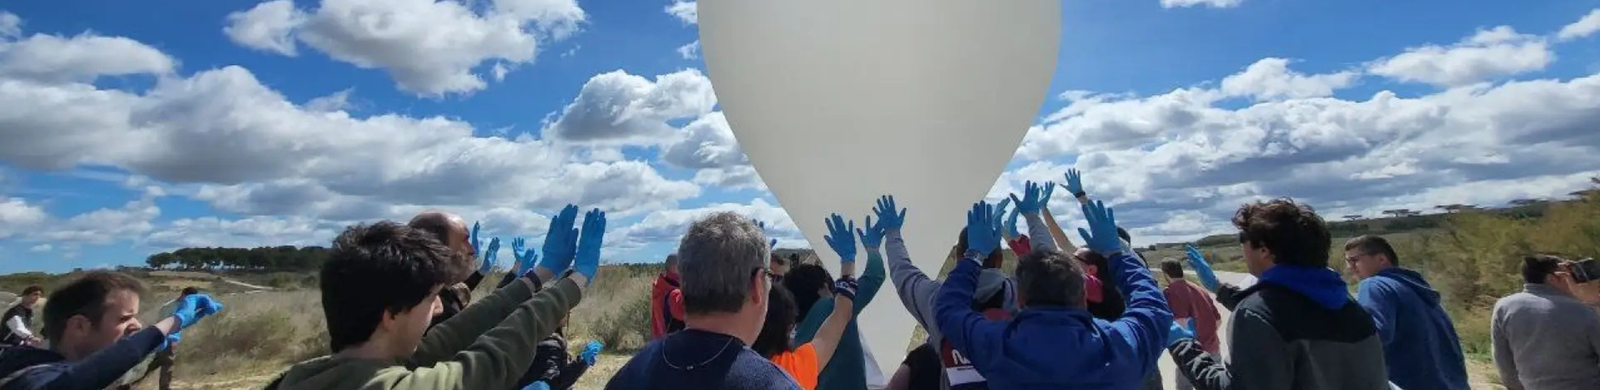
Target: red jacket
666 306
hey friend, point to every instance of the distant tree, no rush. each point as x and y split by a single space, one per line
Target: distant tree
1524 202
1352 217
279 258
1456 208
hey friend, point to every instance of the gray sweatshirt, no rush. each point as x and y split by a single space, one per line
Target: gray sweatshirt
917 290
1544 339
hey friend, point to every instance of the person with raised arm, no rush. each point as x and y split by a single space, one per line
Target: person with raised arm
1420 344
452 231
94 336
1054 342
1297 328
804 361
995 295
726 276
381 283
847 369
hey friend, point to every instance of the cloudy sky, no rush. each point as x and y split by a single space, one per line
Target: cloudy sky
128 128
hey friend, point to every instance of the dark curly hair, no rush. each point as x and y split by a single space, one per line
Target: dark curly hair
1293 232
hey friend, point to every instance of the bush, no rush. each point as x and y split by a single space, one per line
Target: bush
628 327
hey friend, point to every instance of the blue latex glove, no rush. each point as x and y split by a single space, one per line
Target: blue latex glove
981 234
474 241
1101 237
1011 223
559 247
191 308
526 257
1049 191
872 237
1074 182
1177 332
1197 261
591 352
1030 202
587 261
841 238
998 211
887 219
540 385
490 257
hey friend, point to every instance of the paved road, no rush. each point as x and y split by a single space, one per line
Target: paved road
1169 372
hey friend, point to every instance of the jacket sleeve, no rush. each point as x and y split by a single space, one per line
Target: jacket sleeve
1378 298
550 359
569 375
1258 348
505 280
473 280
1145 323
451 336
870 282
104 368
916 289
1504 361
979 339
18 327
1039 233
498 358
1228 295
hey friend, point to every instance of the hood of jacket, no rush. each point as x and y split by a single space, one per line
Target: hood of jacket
1413 280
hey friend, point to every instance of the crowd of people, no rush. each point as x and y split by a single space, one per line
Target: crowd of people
728 313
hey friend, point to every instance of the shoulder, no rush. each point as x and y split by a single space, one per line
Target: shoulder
759 370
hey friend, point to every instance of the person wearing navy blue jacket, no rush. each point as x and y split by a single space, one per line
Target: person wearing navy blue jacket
94 335
1054 343
1420 344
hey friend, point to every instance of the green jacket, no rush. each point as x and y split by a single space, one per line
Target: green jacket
487 346
848 368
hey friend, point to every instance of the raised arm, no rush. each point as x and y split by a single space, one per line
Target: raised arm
832 330
1056 232
1029 205
873 277
842 239
104 367
498 358
1145 323
978 338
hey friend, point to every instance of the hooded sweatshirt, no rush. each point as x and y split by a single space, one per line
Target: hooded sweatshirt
847 369
1420 345
489 345
917 292
1057 347
666 306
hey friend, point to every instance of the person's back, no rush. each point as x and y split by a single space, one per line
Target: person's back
1193 302
1421 348
666 307
699 360
1549 339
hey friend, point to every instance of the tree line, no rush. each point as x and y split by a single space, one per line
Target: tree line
284 258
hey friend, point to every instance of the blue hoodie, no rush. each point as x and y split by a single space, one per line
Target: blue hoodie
1419 342
1059 347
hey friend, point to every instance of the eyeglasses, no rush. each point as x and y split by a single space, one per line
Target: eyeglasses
771 276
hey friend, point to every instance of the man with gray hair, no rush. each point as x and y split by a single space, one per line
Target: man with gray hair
725 279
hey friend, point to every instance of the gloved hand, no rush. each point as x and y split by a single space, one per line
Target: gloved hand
526 257
587 261
490 257
1000 209
559 242
540 385
1011 223
846 286
1177 332
1049 191
872 238
981 234
591 352
1030 202
1101 237
191 308
1197 260
1074 182
841 238
472 239
887 219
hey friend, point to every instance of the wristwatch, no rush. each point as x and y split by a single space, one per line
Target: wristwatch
1080 194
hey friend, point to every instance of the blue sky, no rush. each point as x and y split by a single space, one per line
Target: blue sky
133 128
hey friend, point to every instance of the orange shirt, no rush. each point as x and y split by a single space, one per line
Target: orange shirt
800 364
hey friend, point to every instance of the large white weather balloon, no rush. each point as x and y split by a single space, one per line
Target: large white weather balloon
839 101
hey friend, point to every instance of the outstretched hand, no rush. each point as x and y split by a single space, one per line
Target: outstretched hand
887 218
1000 209
841 238
591 352
1197 261
526 257
1074 182
982 236
474 241
193 307
1011 223
1049 191
872 237
560 242
490 257
772 243
1030 202
1101 236
587 259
